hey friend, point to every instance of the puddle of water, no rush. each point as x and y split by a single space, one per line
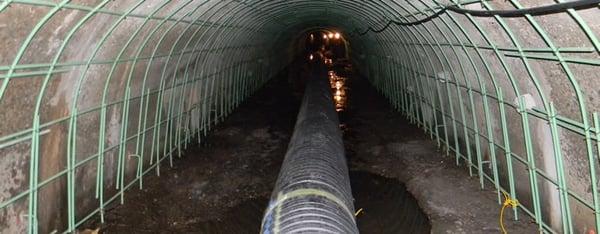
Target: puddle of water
340 82
387 207
339 89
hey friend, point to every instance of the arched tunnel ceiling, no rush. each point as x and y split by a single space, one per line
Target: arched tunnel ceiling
85 81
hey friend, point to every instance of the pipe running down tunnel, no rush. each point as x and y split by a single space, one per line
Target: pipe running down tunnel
312 193
97 94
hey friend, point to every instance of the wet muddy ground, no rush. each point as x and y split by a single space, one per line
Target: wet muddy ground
223 185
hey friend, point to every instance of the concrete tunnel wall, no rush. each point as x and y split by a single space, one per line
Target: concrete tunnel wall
94 92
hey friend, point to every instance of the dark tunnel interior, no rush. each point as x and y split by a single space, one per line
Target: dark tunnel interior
214 202
182 116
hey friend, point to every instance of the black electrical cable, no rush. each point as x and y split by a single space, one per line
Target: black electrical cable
428 18
541 10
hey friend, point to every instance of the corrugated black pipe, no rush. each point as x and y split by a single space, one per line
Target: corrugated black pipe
312 193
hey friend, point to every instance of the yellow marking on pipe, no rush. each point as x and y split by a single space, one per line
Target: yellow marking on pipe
304 193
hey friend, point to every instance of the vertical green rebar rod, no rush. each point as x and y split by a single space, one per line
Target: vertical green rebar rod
562 184
592 166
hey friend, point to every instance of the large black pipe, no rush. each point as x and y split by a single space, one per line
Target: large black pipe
312 193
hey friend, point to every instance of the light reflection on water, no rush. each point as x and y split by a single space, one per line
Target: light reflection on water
338 86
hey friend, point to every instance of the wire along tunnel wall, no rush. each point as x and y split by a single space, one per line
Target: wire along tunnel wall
94 93
312 193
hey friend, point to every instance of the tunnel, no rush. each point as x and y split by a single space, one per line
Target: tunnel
469 116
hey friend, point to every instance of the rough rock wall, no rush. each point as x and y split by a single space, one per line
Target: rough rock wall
455 65
122 77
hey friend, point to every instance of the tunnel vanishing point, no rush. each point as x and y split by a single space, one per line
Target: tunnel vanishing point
96 94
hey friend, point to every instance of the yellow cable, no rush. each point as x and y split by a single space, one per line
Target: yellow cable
507 202
358 212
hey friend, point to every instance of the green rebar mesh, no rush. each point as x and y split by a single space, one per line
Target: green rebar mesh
94 94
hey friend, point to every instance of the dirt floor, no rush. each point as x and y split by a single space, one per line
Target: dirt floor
223 185
381 141
233 170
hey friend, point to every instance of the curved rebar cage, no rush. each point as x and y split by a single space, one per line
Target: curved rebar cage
94 94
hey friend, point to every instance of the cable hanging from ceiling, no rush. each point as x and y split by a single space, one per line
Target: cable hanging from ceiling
541 10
